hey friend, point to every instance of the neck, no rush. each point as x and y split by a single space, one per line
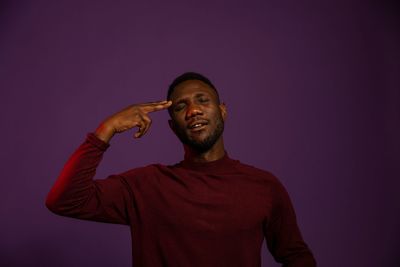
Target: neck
216 152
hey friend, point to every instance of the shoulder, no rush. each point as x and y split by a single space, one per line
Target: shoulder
264 176
148 170
248 169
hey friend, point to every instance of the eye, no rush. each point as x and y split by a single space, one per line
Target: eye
203 99
179 107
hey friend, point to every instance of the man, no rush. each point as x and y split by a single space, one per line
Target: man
208 210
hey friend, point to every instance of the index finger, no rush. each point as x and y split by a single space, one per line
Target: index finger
156 106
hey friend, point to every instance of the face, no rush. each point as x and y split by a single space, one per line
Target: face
196 116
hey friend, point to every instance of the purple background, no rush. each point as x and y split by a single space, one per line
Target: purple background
312 89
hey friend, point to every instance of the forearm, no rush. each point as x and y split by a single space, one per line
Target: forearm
288 247
75 183
283 235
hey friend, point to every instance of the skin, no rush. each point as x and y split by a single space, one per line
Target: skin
191 102
128 118
194 101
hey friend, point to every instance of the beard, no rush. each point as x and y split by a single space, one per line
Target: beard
207 143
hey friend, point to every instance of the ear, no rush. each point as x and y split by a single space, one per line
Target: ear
224 112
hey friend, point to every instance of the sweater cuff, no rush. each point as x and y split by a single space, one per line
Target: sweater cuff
94 140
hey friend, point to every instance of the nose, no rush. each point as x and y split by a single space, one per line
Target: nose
193 110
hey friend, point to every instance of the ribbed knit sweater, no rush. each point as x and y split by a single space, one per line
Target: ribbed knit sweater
212 214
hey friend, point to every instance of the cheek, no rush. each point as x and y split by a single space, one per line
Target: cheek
217 115
178 123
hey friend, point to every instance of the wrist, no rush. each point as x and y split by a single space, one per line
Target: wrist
104 132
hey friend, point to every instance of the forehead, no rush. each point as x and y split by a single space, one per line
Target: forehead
191 88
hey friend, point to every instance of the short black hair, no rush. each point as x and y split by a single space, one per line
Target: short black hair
189 76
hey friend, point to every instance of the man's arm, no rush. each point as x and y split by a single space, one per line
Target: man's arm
76 194
283 236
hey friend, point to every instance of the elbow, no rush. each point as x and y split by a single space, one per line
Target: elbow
53 204
64 205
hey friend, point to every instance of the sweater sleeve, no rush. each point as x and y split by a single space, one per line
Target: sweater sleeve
75 193
283 236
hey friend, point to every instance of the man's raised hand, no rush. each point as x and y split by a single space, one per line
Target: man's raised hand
128 118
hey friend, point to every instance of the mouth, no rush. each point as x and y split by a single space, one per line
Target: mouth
197 125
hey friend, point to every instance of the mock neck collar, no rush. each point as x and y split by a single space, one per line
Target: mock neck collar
221 164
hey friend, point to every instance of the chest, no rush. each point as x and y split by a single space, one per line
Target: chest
207 205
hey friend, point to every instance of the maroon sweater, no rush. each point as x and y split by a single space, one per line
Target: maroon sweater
190 214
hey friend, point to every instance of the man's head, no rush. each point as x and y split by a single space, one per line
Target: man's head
190 76
197 116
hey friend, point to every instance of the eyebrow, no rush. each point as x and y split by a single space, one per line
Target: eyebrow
197 95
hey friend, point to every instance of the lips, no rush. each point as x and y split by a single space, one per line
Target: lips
197 124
